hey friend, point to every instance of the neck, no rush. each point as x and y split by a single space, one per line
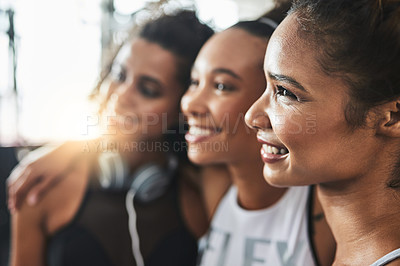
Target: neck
254 192
364 218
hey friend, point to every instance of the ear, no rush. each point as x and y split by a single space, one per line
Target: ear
389 123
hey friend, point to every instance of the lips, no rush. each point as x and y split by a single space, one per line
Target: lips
199 133
271 153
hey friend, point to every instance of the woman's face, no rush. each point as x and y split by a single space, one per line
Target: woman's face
146 92
227 77
300 118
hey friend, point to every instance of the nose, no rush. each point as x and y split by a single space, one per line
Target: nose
257 116
193 102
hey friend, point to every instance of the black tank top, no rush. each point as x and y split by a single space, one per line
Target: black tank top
98 235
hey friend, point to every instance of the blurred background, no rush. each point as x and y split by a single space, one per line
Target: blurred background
51 54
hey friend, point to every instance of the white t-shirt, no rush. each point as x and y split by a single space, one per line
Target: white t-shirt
273 236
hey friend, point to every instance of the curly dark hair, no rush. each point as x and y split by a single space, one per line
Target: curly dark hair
359 40
182 34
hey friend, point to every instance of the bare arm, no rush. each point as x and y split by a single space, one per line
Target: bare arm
27 237
44 168
32 225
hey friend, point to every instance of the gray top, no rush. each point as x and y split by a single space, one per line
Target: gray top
395 254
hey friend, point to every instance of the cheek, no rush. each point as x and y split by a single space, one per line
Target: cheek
236 130
311 137
288 122
228 115
298 131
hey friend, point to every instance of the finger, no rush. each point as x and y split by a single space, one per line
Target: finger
14 181
10 201
15 175
38 191
28 180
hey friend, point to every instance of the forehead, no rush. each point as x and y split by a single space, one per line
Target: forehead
141 57
142 53
148 52
288 51
292 55
234 48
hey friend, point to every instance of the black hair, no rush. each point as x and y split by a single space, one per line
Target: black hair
267 23
183 35
358 41
280 10
256 28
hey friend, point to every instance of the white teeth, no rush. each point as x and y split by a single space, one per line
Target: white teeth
198 131
274 150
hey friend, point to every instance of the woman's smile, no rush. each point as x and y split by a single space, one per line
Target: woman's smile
272 153
199 133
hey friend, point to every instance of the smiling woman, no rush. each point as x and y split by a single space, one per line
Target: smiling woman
219 93
337 63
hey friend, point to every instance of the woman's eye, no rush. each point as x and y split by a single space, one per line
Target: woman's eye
194 83
224 87
281 91
148 91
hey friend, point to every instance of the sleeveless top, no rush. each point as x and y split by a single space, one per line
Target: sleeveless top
395 254
98 235
277 235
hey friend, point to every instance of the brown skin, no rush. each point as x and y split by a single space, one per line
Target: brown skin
215 182
323 240
350 166
32 225
227 78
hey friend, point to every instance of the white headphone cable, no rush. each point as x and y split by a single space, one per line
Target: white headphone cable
130 196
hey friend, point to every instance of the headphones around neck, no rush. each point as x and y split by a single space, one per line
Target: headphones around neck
149 182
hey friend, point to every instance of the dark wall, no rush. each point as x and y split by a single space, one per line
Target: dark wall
7 162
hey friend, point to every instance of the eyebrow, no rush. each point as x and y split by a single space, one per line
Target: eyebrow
226 71
287 79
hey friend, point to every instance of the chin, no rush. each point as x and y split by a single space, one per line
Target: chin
277 178
201 158
198 159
